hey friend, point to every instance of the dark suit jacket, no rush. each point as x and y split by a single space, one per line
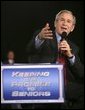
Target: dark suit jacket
7 62
48 53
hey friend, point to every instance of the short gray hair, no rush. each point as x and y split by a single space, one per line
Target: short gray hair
65 11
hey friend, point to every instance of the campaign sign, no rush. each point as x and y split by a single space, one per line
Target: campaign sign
32 83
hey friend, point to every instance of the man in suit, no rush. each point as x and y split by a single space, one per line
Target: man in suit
10 61
46 47
10 57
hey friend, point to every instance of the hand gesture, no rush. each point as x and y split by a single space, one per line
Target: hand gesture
46 33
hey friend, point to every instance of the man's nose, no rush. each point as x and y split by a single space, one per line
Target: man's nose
64 23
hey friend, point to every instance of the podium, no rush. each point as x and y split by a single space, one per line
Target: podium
32 83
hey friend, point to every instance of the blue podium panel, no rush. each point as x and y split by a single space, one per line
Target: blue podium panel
32 83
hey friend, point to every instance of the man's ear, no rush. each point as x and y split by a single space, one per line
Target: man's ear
55 24
73 28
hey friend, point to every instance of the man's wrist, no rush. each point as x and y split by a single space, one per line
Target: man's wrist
39 36
70 57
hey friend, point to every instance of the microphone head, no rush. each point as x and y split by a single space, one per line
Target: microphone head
63 35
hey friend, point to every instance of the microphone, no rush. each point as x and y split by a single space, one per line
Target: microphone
63 36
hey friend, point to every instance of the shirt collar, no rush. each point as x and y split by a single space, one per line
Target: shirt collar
58 37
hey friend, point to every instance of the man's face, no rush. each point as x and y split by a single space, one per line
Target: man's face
64 23
10 55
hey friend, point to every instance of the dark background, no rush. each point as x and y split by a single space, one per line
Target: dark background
20 19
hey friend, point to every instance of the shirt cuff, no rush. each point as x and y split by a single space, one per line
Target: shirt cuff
72 60
38 42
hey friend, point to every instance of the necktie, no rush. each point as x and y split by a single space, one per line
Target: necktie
62 60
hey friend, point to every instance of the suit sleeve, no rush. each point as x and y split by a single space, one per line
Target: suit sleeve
77 68
32 51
